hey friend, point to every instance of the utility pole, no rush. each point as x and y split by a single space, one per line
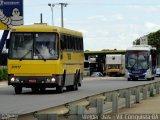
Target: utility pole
41 18
51 6
62 5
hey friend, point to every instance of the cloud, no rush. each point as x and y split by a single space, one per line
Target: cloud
119 36
133 7
98 17
116 17
151 26
144 8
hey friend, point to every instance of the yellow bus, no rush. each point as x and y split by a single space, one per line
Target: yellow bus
43 56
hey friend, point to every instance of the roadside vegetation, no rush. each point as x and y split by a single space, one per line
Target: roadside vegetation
153 40
3 74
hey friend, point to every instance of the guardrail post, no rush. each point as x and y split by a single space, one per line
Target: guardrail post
100 106
145 92
47 117
151 91
80 111
115 102
138 97
128 98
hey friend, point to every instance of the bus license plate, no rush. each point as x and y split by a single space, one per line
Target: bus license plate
32 81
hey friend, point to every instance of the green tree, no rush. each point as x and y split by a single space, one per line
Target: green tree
153 40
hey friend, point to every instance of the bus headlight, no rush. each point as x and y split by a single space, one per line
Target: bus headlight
127 74
148 73
53 80
48 80
13 79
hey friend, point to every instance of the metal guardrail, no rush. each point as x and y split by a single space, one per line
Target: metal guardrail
97 104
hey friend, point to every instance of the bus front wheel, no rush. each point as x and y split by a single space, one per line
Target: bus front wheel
76 81
59 89
18 90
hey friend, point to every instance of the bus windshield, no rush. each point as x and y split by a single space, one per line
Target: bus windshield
33 46
137 60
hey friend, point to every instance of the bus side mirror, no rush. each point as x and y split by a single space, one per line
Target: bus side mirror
7 43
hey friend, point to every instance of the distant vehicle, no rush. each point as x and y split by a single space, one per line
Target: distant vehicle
141 62
43 56
115 64
96 65
86 68
97 74
158 72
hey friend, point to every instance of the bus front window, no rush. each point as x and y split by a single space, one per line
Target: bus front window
137 60
46 46
21 46
33 46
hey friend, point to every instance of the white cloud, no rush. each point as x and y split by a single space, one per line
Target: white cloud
116 17
133 7
144 8
98 17
119 36
151 26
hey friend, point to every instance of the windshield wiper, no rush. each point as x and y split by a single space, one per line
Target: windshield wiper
132 67
40 54
25 55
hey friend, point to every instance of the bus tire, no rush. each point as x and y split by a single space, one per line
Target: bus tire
68 88
74 87
59 89
149 79
129 79
18 90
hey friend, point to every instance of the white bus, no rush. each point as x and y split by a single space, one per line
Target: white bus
141 62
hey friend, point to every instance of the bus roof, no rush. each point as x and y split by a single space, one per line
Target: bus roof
140 48
38 27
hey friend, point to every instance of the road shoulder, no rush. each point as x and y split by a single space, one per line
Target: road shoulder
3 83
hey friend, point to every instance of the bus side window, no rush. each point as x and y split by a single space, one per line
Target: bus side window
69 42
65 42
76 43
81 43
62 42
72 42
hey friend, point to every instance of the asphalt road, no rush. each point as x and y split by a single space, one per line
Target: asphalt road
29 102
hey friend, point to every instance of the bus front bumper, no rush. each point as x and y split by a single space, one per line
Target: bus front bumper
29 81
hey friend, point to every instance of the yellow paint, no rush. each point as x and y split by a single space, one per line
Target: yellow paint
113 70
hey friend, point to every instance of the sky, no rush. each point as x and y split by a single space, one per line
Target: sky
105 24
